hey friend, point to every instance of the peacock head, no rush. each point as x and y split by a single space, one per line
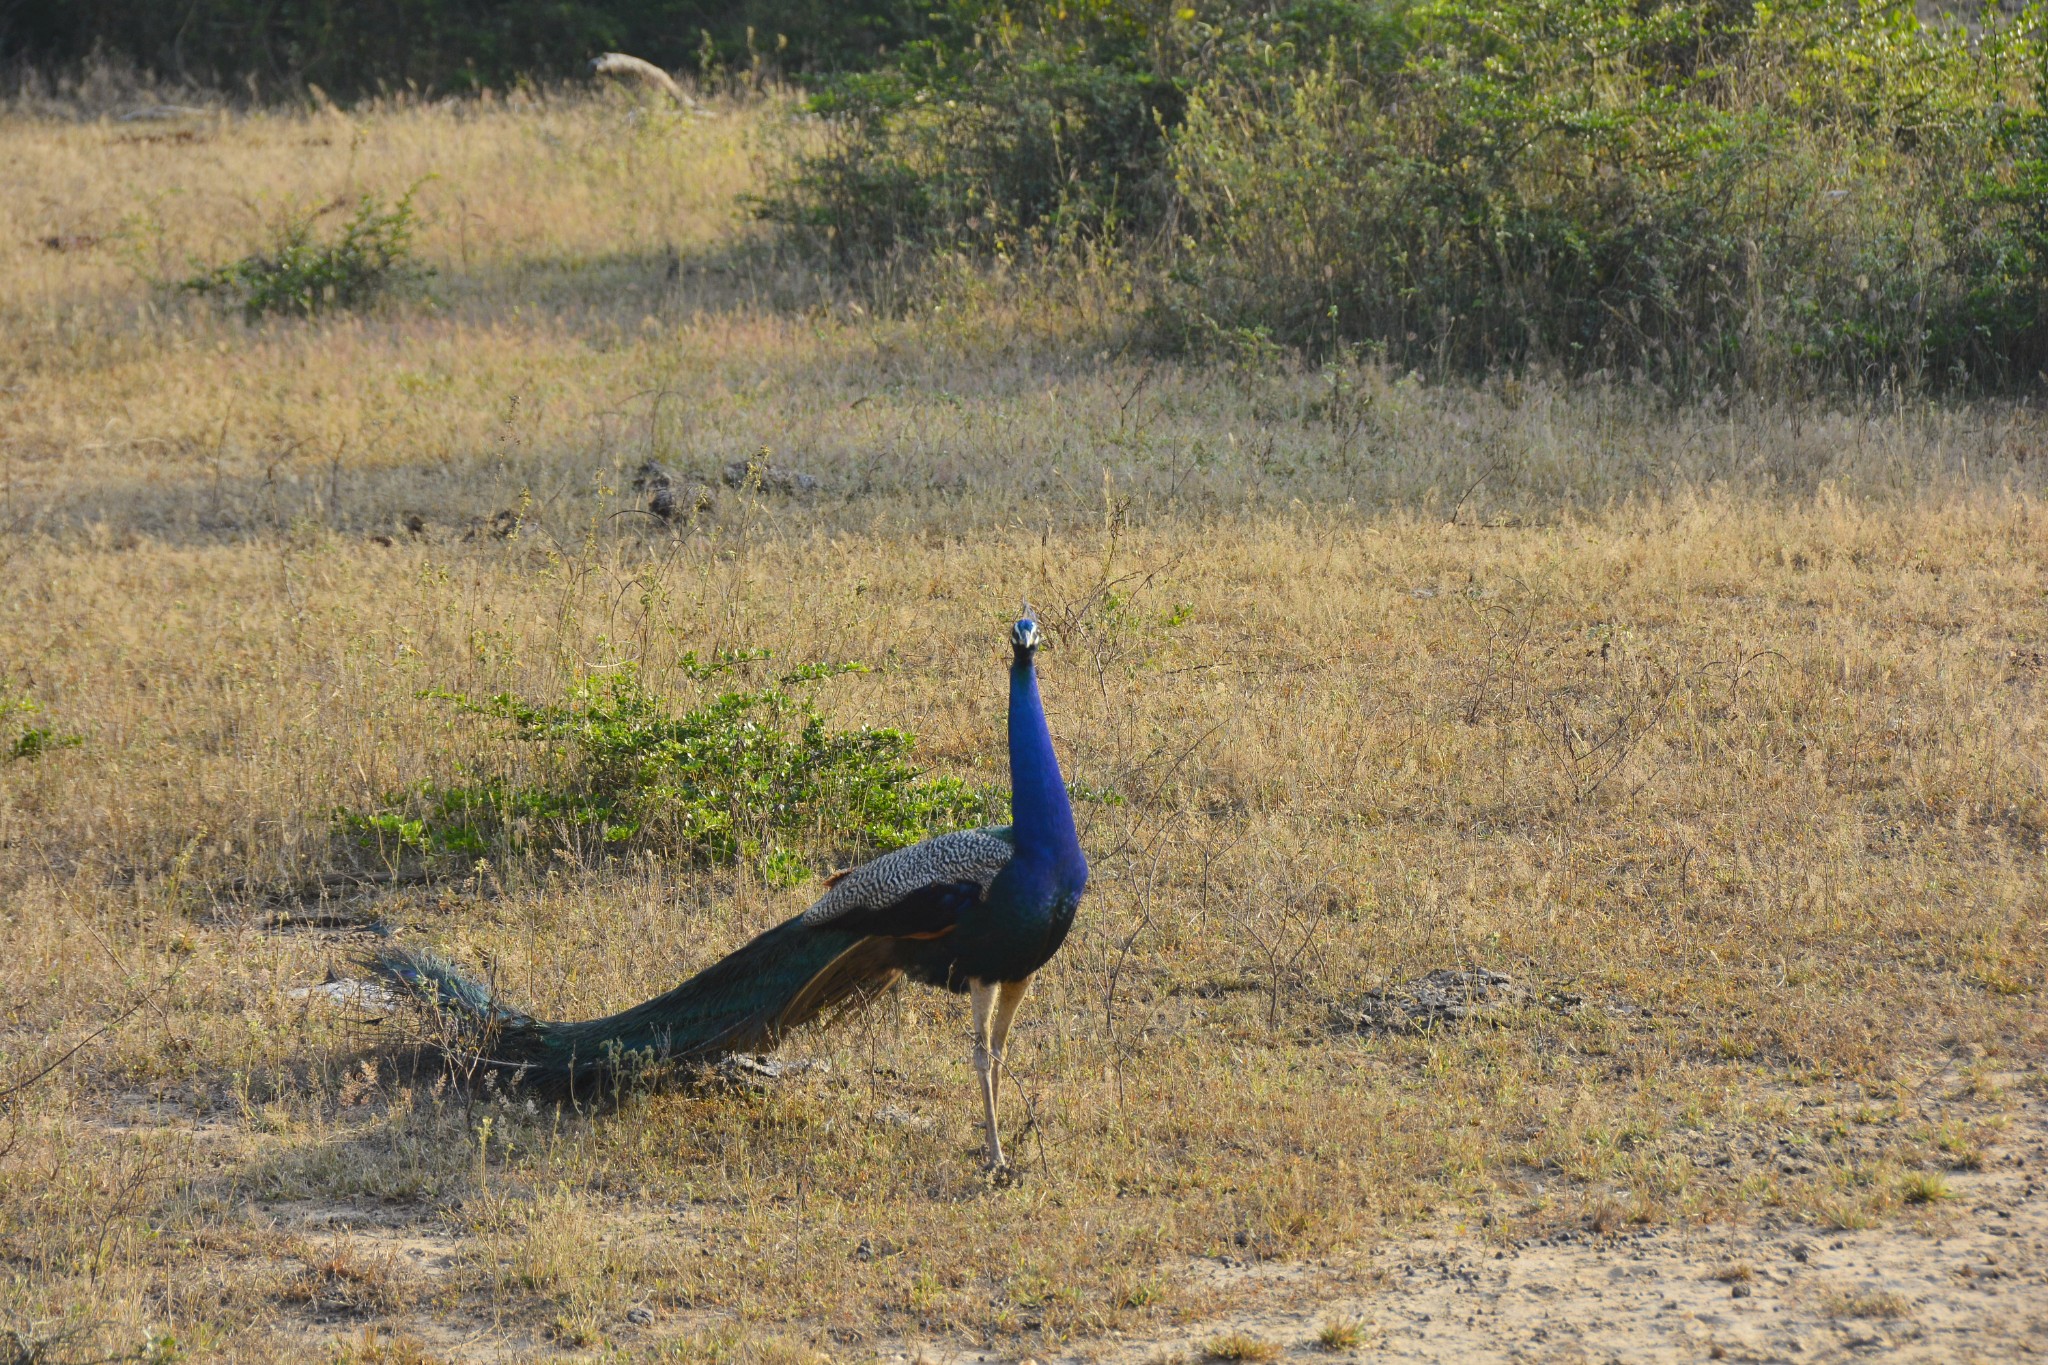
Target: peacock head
1024 637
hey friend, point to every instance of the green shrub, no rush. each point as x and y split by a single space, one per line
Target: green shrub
31 741
300 276
1008 125
754 774
1700 192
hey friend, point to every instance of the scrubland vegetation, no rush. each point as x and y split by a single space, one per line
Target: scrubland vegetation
1686 671
1693 194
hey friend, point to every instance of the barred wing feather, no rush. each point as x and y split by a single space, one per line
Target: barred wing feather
912 886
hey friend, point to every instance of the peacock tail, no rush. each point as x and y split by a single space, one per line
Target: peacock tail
873 926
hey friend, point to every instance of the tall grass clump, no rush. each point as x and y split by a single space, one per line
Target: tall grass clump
1698 193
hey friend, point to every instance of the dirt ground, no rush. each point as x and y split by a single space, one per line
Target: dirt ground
1967 1282
1963 1277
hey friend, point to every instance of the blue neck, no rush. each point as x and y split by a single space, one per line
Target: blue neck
1041 815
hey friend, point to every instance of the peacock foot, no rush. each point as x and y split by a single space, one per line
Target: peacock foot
1000 1174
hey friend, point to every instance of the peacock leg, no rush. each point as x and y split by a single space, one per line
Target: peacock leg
1008 996
983 997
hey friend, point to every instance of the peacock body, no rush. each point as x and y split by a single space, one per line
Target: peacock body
978 911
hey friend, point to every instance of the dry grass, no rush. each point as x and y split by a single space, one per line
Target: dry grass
1718 730
1241 1346
1924 1187
1341 1334
1874 1304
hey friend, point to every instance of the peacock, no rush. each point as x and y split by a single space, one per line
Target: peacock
977 911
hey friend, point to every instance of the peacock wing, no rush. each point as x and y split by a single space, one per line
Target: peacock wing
894 903
890 935
913 891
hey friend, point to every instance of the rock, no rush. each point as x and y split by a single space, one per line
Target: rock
641 1316
746 1071
1447 997
1440 998
355 995
670 496
502 524
895 1116
624 66
761 476
670 501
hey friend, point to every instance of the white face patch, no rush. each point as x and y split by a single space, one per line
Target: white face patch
972 855
1025 634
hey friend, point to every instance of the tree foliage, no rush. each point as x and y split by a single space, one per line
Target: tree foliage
355 47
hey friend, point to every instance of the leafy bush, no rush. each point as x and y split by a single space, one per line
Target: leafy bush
1042 122
31 741
1700 191
300 276
755 774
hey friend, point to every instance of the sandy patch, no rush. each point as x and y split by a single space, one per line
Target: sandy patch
1967 1281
